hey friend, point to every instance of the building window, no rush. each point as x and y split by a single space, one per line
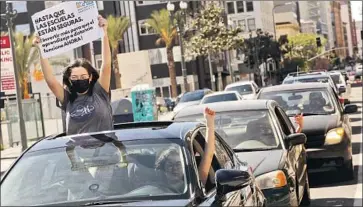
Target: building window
23 28
20 6
145 29
251 24
240 7
249 5
242 25
230 8
100 5
142 3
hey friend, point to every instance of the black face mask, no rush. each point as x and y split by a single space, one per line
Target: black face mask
80 86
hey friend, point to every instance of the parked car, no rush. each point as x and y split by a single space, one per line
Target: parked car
342 85
326 123
247 89
262 135
221 97
358 71
191 98
126 166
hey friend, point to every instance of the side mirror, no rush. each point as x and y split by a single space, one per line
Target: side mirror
296 139
342 89
231 180
350 108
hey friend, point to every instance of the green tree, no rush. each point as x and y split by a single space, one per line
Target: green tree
161 23
211 34
117 26
302 46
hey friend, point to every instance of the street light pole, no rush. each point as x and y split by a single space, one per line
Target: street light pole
9 16
180 31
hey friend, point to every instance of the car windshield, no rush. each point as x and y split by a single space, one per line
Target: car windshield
336 78
220 98
241 89
306 80
243 130
311 102
88 169
192 96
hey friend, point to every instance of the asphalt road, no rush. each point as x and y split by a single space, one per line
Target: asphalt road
328 188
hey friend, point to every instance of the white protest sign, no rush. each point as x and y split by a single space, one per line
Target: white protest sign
66 26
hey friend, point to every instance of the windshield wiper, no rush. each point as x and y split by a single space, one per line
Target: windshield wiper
254 149
96 203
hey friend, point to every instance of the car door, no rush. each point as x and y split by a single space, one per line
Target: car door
221 160
296 154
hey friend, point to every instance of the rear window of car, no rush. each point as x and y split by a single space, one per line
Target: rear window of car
241 89
336 78
192 96
220 98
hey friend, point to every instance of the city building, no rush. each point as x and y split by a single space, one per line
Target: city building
286 18
346 15
338 29
320 13
358 33
308 26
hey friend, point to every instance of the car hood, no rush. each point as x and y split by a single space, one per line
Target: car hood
319 125
262 161
173 202
182 105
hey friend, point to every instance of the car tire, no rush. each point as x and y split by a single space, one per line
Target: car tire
306 200
347 170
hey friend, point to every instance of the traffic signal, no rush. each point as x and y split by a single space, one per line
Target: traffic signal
318 42
2 101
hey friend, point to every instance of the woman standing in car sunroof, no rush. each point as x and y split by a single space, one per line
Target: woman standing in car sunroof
86 99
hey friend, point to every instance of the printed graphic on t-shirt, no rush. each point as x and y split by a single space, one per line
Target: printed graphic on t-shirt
82 112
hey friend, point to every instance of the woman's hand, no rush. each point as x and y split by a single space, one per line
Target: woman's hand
209 116
299 120
102 22
36 41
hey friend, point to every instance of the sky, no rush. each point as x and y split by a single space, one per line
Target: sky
356 10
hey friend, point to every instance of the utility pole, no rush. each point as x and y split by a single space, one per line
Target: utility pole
9 15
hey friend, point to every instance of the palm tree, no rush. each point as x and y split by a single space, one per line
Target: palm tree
25 57
160 22
117 26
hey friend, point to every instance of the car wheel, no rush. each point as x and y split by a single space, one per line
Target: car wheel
306 197
347 170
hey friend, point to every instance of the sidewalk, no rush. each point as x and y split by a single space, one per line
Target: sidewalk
8 156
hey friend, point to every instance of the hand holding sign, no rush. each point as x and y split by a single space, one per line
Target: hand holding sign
102 22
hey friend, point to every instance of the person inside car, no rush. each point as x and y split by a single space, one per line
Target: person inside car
318 104
169 165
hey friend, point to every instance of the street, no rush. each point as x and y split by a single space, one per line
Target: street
327 189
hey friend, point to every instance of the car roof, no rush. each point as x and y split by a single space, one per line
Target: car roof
239 83
295 86
306 76
221 93
226 106
128 132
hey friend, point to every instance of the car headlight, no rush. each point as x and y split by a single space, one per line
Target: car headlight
334 136
270 180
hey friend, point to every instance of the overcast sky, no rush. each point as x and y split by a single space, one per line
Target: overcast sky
356 10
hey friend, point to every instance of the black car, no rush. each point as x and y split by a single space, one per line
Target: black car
262 135
150 164
326 123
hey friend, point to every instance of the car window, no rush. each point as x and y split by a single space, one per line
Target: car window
220 98
336 78
89 168
192 96
241 89
308 101
282 122
243 130
287 121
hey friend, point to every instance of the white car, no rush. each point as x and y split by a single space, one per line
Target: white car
358 69
221 97
247 89
339 81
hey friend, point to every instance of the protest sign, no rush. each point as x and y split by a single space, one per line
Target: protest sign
67 26
7 68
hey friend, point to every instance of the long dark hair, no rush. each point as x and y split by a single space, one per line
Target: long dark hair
163 157
91 72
